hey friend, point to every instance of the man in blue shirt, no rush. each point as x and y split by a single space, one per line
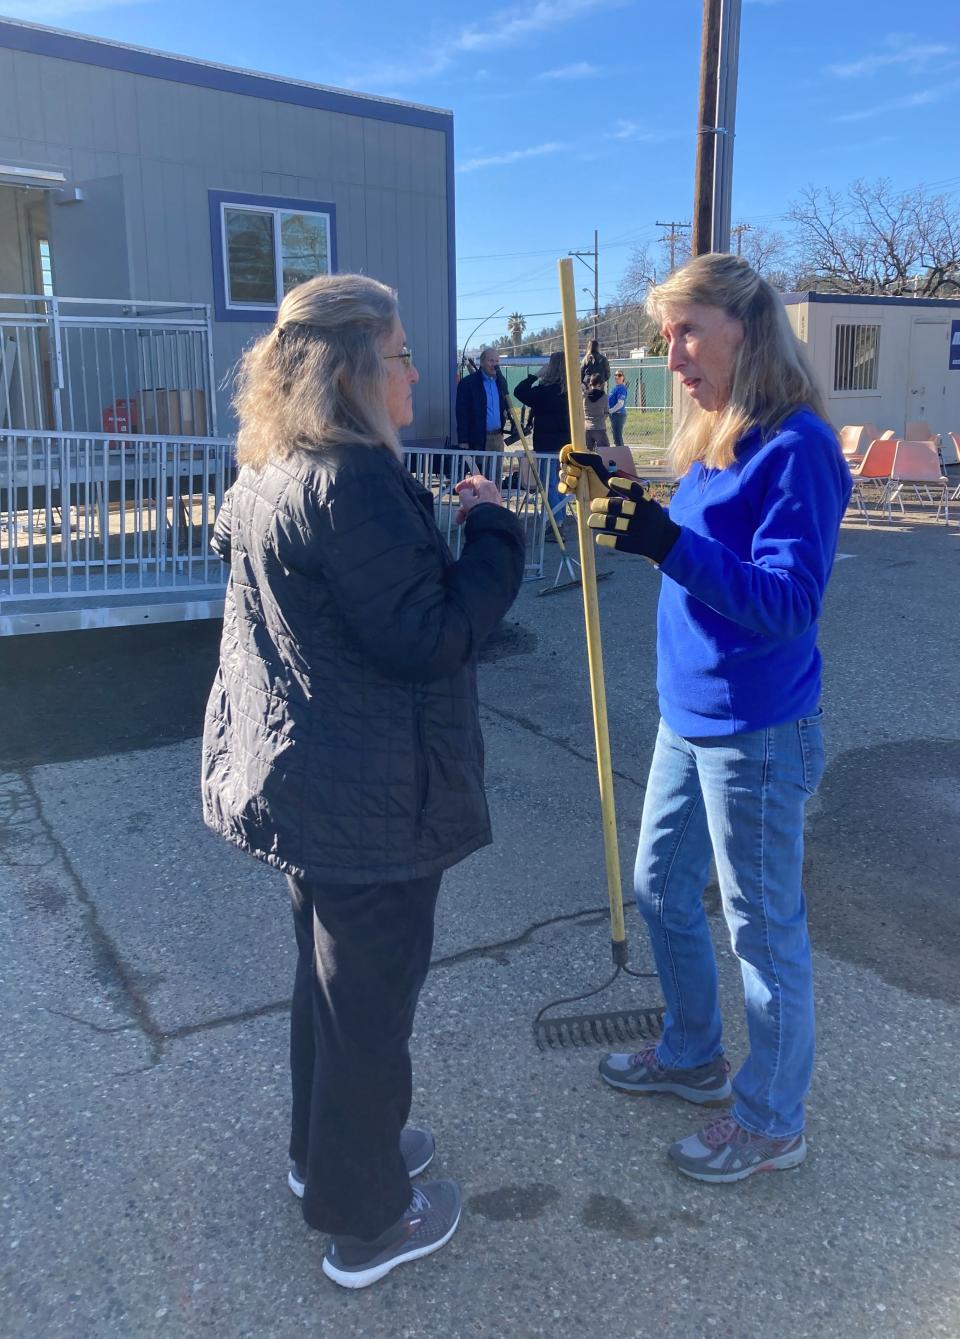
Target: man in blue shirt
482 409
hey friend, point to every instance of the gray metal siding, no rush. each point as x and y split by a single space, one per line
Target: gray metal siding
171 143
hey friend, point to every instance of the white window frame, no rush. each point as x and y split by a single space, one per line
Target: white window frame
276 211
854 393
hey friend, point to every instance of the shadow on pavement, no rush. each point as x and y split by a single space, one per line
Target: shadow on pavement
86 694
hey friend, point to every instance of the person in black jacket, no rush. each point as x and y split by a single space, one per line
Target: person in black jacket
342 737
482 410
546 395
595 362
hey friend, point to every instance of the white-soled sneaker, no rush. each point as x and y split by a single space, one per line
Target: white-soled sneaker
428 1224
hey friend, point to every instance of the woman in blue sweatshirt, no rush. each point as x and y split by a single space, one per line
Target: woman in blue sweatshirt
745 553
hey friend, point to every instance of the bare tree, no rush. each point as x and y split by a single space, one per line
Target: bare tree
874 239
770 254
639 274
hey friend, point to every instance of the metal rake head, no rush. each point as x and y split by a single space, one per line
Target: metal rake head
625 1025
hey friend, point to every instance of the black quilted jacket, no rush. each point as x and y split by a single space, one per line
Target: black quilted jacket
342 737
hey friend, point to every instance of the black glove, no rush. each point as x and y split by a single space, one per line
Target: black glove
631 522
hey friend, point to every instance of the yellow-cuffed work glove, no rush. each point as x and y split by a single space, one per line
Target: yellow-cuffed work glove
629 521
572 465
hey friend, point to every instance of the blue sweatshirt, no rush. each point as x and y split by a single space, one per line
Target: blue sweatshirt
743 584
617 400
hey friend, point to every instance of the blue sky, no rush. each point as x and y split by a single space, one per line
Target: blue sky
572 115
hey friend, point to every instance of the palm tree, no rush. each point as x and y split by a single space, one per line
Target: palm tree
516 324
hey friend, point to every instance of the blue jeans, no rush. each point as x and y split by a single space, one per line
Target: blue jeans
617 423
740 799
551 481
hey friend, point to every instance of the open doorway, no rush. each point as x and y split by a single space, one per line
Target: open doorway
26 267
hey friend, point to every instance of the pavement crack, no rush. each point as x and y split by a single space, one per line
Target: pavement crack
20 803
94 1027
227 1020
589 916
559 741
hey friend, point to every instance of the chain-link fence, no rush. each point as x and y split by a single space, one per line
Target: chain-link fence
649 397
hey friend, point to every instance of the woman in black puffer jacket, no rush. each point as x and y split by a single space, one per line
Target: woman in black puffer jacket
342 740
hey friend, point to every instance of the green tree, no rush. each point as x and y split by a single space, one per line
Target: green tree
516 324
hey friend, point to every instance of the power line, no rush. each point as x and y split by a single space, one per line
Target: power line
631 237
674 236
738 232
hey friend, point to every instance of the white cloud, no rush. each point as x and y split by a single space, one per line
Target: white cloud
503 28
54 11
917 56
632 130
581 70
506 26
920 99
513 156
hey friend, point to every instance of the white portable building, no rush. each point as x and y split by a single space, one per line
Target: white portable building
884 360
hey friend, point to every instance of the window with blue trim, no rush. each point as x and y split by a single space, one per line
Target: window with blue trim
267 249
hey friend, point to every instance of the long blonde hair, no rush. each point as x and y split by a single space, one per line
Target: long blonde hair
771 373
318 378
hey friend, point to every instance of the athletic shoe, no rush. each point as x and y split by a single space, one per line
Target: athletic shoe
725 1151
428 1224
642 1072
417 1148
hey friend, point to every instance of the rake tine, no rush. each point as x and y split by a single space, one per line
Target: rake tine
607 1029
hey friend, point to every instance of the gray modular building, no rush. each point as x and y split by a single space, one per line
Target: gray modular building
153 209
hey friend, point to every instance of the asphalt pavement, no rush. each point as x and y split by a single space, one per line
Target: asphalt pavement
146 968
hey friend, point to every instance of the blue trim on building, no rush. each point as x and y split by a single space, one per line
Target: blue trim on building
868 300
138 60
252 315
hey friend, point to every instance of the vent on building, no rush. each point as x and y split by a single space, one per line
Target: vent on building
856 353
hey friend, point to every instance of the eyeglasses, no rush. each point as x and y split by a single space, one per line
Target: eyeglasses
405 353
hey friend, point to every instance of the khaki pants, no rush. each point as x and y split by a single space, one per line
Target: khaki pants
492 468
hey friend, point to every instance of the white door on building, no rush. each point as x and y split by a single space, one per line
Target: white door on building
928 373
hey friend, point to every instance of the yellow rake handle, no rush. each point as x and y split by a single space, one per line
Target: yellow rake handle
591 613
532 463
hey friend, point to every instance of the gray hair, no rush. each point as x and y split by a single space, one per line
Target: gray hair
318 379
771 374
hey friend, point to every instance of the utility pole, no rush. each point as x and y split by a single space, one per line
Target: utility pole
596 283
706 129
728 64
672 237
738 232
719 51
595 253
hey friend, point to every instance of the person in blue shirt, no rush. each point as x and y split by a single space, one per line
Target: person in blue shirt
617 406
745 552
482 411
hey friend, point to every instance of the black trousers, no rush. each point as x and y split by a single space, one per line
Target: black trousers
363 955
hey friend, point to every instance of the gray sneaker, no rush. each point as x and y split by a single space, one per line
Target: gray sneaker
428 1224
725 1151
417 1148
641 1072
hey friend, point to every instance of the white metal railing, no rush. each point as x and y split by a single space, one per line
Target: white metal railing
86 514
441 470
101 364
